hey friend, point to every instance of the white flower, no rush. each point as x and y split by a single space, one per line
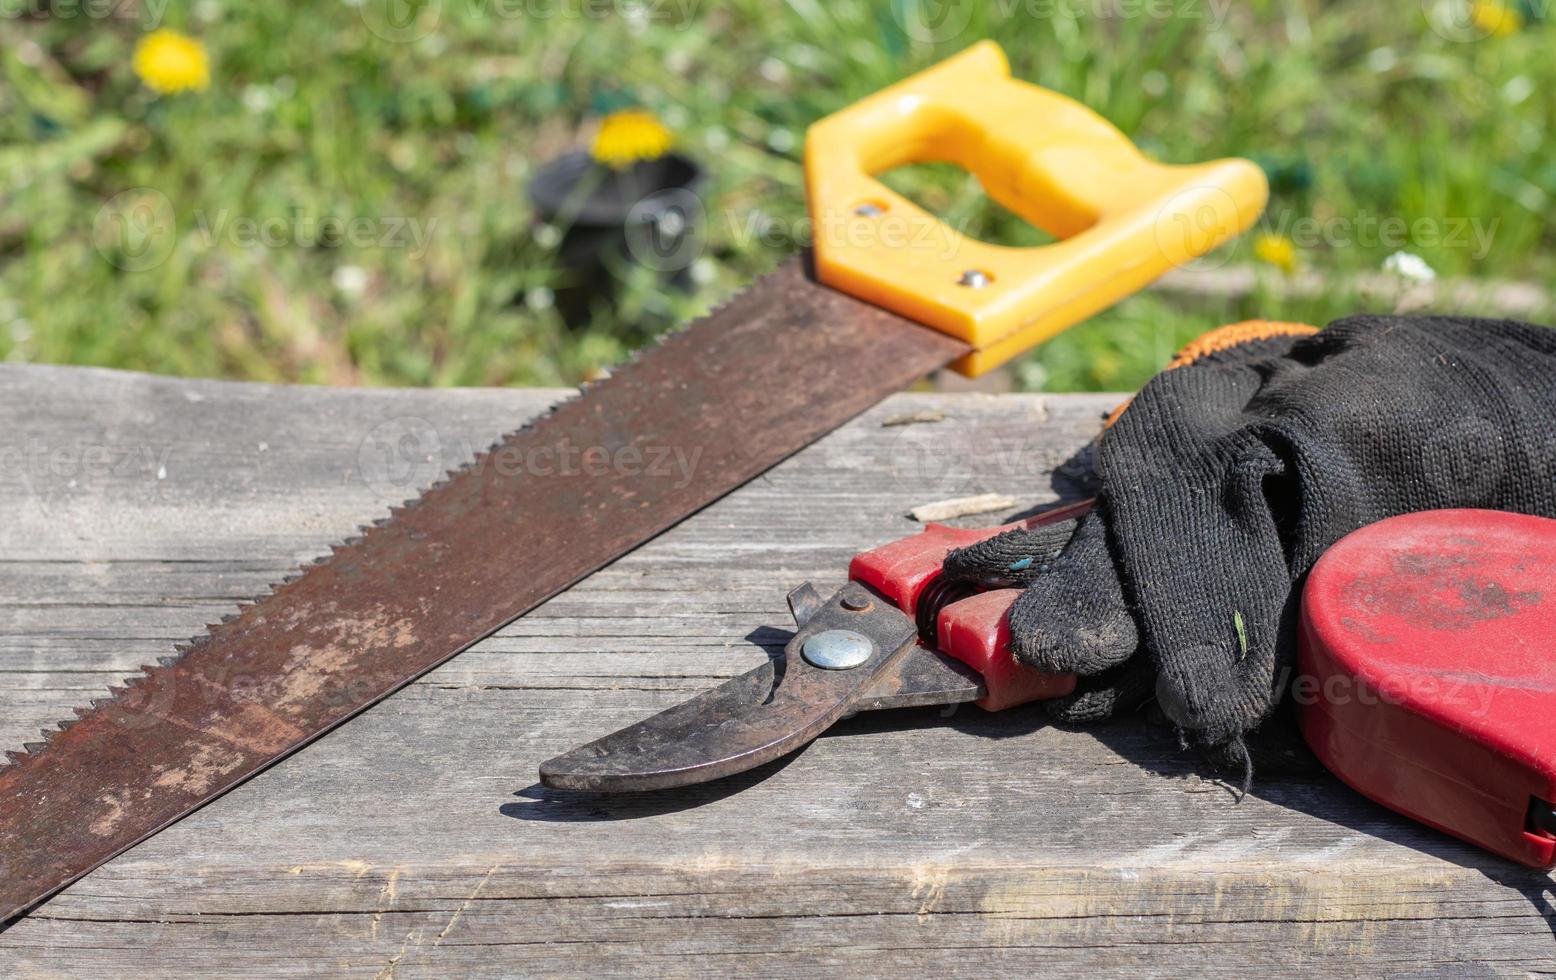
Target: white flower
1408 265
1517 89
547 235
774 70
351 280
636 16
258 99
1382 60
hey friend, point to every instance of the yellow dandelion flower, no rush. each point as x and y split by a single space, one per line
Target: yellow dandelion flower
168 62
1276 250
1496 19
629 136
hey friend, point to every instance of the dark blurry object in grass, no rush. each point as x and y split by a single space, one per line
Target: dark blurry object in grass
644 219
1287 174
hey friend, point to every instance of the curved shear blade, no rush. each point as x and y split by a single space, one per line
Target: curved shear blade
770 711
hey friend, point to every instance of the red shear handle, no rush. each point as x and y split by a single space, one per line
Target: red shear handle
973 629
976 631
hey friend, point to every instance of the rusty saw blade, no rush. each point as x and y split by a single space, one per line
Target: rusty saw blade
735 392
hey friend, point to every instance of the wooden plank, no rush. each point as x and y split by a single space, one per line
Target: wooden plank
414 842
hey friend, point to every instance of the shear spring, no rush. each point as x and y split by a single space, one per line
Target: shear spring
935 596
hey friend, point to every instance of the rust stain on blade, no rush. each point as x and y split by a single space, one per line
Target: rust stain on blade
734 393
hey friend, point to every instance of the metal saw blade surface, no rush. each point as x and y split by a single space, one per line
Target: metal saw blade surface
734 393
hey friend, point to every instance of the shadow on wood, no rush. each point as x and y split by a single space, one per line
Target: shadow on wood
569 806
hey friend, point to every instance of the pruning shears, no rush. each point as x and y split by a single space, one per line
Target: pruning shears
898 635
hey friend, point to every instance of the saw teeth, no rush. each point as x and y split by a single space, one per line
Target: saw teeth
212 631
32 748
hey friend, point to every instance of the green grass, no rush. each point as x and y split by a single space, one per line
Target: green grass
1357 108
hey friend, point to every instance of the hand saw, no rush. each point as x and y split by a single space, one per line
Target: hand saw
1415 685
889 294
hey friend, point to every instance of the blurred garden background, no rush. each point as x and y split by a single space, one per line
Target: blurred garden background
335 192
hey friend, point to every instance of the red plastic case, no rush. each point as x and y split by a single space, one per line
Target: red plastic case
1428 674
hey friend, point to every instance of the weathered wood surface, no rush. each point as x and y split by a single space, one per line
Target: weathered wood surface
413 841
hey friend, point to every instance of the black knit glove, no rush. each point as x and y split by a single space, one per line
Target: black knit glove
1232 471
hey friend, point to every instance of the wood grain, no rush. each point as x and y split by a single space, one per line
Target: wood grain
413 842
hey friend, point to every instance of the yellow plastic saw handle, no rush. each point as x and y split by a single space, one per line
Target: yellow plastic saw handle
1124 220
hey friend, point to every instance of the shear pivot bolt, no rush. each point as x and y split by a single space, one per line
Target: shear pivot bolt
837 649
869 210
974 279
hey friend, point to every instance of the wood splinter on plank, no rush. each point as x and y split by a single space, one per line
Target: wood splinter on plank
944 510
913 418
